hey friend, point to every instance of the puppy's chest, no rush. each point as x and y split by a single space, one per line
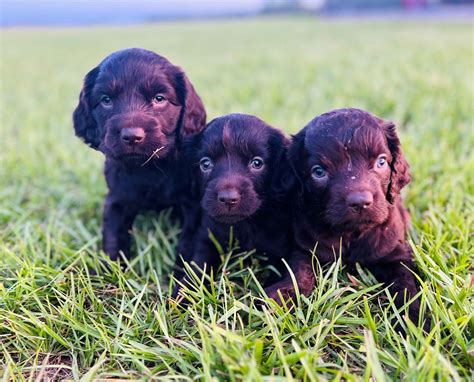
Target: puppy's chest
149 189
366 248
360 251
353 249
160 193
266 240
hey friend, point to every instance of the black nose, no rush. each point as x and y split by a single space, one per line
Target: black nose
359 200
229 197
132 135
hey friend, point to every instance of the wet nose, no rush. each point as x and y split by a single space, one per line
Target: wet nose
132 135
360 200
229 197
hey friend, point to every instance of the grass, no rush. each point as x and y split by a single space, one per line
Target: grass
57 320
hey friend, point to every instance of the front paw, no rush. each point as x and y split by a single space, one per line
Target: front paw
281 292
116 253
112 252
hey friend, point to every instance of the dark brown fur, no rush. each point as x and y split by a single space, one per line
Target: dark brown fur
136 107
234 193
353 199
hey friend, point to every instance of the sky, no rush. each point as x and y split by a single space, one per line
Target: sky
83 12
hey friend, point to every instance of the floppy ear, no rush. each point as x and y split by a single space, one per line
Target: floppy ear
193 114
283 178
84 124
295 157
190 145
400 175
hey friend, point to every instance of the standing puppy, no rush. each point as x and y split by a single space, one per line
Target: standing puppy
351 169
136 107
239 165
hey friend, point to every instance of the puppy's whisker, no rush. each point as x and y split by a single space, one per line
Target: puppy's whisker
152 155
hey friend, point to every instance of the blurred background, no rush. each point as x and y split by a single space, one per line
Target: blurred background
86 12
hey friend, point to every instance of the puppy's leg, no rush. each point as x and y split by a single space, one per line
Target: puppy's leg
402 283
118 221
191 215
302 268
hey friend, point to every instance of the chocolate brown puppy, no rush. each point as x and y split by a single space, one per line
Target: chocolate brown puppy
136 107
350 169
239 161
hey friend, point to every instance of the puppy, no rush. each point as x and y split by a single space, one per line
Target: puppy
350 168
239 161
136 107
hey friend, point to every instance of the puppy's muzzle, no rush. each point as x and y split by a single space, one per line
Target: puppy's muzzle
132 135
359 200
229 198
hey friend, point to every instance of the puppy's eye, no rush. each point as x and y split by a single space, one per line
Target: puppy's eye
318 172
256 163
106 101
206 164
159 98
381 161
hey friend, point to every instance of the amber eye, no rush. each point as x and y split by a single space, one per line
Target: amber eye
106 101
256 163
318 172
159 98
381 161
206 164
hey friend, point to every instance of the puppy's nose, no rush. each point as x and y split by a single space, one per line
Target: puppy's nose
360 200
132 135
229 197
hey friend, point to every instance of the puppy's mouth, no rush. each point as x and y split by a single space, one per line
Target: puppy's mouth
130 158
224 215
138 157
229 218
356 222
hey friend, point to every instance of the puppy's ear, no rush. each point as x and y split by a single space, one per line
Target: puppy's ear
193 113
189 148
84 124
190 145
283 178
400 174
295 157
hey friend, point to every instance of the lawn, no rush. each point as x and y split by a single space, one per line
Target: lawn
60 320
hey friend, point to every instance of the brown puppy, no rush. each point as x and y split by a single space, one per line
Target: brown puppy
136 107
350 168
239 161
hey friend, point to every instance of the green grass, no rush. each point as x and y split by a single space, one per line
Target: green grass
59 321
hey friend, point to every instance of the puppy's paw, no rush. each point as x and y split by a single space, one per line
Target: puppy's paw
282 292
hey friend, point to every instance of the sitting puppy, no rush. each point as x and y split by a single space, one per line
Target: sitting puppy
136 107
240 160
351 169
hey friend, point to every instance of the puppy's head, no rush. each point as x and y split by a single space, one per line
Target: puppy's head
239 159
135 103
350 166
